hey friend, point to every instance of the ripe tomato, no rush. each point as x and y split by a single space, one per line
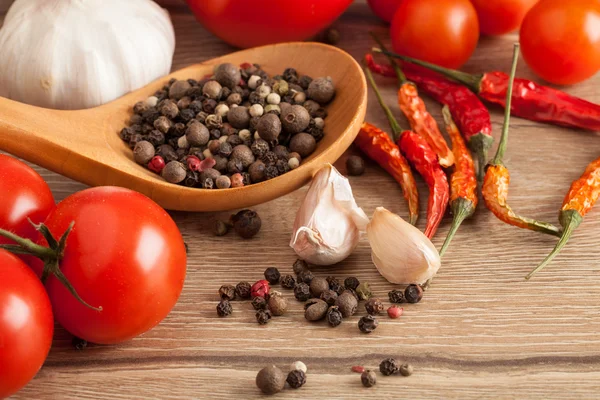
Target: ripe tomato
560 40
26 324
124 254
497 17
443 32
244 23
23 194
384 9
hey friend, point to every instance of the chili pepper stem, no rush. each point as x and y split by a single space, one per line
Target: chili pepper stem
570 220
471 81
396 130
480 144
461 209
401 77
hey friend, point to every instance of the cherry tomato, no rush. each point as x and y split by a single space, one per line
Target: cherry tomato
23 194
384 9
26 324
245 23
443 32
125 255
560 40
497 17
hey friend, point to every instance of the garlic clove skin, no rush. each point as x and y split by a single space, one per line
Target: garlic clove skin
329 222
401 252
74 54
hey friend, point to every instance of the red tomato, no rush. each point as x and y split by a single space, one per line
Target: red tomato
443 32
497 17
26 324
560 40
125 254
23 194
384 9
245 23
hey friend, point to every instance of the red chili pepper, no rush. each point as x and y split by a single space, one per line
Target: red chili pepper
531 100
497 177
582 196
425 160
468 112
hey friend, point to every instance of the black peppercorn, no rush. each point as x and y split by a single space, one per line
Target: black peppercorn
367 324
269 159
296 379
166 152
242 290
263 316
234 140
299 266
305 276
78 343
260 148
311 106
301 291
368 378
272 275
288 281
246 223
186 115
135 139
351 282
227 292
304 81
209 105
388 367
224 308
282 167
413 293
355 165
234 167
259 303
329 297
374 306
334 316
140 107
396 296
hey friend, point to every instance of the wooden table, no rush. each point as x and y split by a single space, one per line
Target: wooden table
482 331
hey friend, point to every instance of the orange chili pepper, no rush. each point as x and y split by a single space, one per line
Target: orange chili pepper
497 177
463 183
379 147
581 197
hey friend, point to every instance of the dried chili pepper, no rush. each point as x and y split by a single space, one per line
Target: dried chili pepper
463 184
419 118
531 101
581 197
468 112
425 160
497 177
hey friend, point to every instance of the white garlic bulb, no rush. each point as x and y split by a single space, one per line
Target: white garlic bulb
401 252
73 54
328 225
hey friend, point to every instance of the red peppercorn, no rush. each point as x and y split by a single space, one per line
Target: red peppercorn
358 368
245 65
260 288
193 163
395 312
207 163
156 164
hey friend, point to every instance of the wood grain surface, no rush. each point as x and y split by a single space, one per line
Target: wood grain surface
480 332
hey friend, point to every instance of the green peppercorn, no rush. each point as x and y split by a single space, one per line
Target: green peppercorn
295 119
224 308
364 291
143 152
303 144
413 293
355 165
246 223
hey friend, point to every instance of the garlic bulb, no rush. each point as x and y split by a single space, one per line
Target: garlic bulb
401 252
72 54
328 224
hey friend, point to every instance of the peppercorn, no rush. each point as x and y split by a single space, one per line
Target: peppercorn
208 106
413 293
281 152
388 367
220 165
263 316
234 167
301 291
184 102
270 380
243 289
227 292
212 90
304 81
334 316
374 306
228 75
143 152
272 275
303 143
256 110
214 122
355 165
224 308
321 90
162 123
351 282
395 312
135 139
243 154
296 379
238 117
295 119
140 107
257 171
174 172
329 296
157 164
246 223
197 134
364 291
311 107
260 288
347 304
259 303
236 180
293 163
234 98
281 87
288 282
299 266
368 378
315 309
406 370
191 179
269 127
253 81
166 152
318 285
396 296
277 305
179 89
182 142
270 159
208 177
305 276
78 343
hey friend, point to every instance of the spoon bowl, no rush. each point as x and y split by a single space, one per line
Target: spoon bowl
85 145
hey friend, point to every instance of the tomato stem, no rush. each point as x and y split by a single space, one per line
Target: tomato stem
26 246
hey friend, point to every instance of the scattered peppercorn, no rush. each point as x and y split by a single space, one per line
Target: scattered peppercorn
318 285
243 290
288 281
358 368
413 293
299 266
78 343
367 324
395 312
355 165
277 305
224 308
347 304
246 223
406 370
227 292
364 291
315 309
374 306
260 289
259 303
296 379
270 380
388 367
334 316
301 291
396 296
305 276
298 365
351 282
272 275
263 316
329 296
368 378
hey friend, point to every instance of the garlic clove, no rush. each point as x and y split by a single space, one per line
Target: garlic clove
328 224
401 252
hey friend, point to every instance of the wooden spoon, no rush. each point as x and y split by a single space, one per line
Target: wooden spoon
85 144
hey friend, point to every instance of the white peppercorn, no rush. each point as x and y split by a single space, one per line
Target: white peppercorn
253 81
319 122
256 110
182 142
245 135
299 98
293 163
273 98
152 101
263 91
221 110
